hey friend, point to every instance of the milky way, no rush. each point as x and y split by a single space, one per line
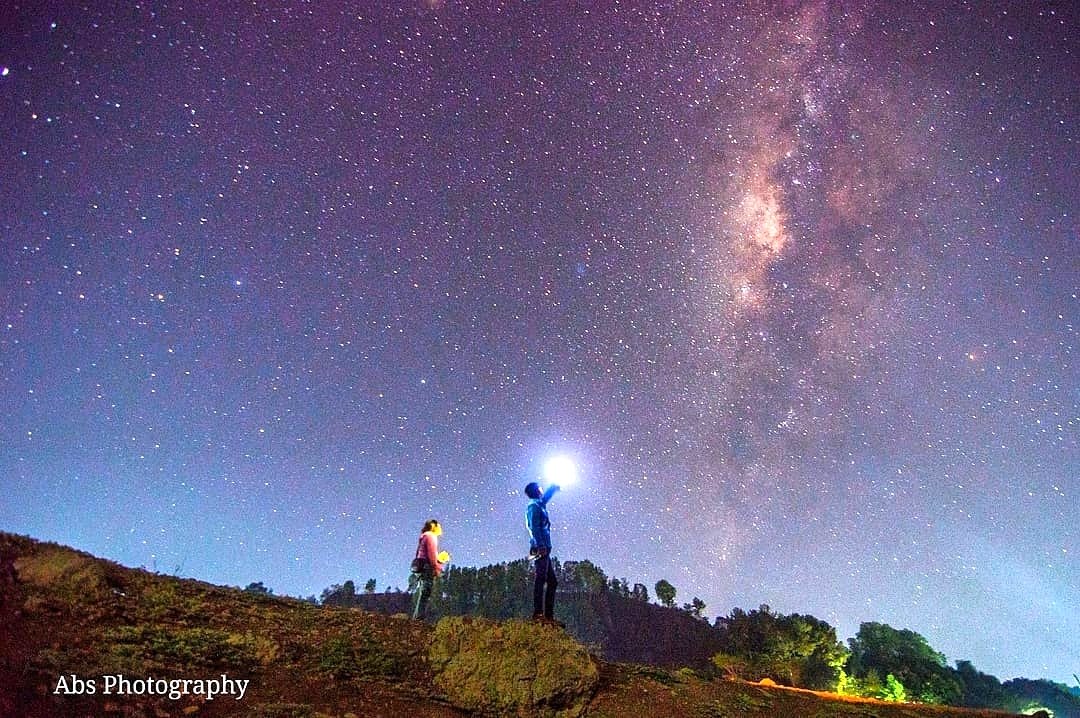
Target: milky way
795 284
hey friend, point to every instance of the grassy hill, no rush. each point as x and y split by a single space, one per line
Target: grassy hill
69 621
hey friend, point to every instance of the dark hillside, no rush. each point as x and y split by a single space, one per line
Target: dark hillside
640 632
69 622
622 629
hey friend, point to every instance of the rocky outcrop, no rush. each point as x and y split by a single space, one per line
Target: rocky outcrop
513 668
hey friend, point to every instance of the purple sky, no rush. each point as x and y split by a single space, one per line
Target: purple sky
796 288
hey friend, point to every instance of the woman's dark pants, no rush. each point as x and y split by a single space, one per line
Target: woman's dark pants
424 584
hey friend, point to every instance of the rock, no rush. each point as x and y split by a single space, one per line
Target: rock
516 668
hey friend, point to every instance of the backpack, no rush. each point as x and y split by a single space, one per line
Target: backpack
420 564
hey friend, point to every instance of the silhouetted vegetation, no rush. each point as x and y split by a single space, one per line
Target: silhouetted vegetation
339 595
792 650
305 660
1024 695
615 617
665 592
695 608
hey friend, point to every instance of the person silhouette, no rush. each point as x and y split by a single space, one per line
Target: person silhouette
539 526
426 565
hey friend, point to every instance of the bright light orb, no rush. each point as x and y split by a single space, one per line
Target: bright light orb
560 470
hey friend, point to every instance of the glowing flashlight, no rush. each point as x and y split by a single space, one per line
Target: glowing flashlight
560 470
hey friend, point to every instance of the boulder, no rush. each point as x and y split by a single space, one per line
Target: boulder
512 668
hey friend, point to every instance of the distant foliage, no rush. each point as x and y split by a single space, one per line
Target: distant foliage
339 595
499 591
979 689
794 650
665 593
799 650
695 608
907 656
582 577
620 587
259 589
912 670
1028 696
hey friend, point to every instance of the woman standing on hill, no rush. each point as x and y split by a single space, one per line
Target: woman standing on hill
426 565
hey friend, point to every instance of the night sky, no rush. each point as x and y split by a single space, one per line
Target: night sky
793 283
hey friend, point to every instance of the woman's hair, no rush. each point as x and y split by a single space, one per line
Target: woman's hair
429 525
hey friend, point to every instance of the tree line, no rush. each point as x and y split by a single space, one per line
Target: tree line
797 650
879 662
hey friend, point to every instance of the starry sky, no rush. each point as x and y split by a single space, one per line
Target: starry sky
793 283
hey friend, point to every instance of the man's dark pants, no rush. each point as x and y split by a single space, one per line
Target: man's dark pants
544 588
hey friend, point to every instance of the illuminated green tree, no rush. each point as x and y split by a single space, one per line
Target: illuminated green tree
909 658
847 685
796 649
893 691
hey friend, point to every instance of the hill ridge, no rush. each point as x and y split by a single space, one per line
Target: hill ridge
69 620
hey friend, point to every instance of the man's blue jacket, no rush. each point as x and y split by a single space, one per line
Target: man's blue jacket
537 521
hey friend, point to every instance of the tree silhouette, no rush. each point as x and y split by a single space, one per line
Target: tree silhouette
665 592
583 576
980 690
695 608
339 595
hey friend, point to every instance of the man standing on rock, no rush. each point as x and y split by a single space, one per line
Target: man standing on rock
539 525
